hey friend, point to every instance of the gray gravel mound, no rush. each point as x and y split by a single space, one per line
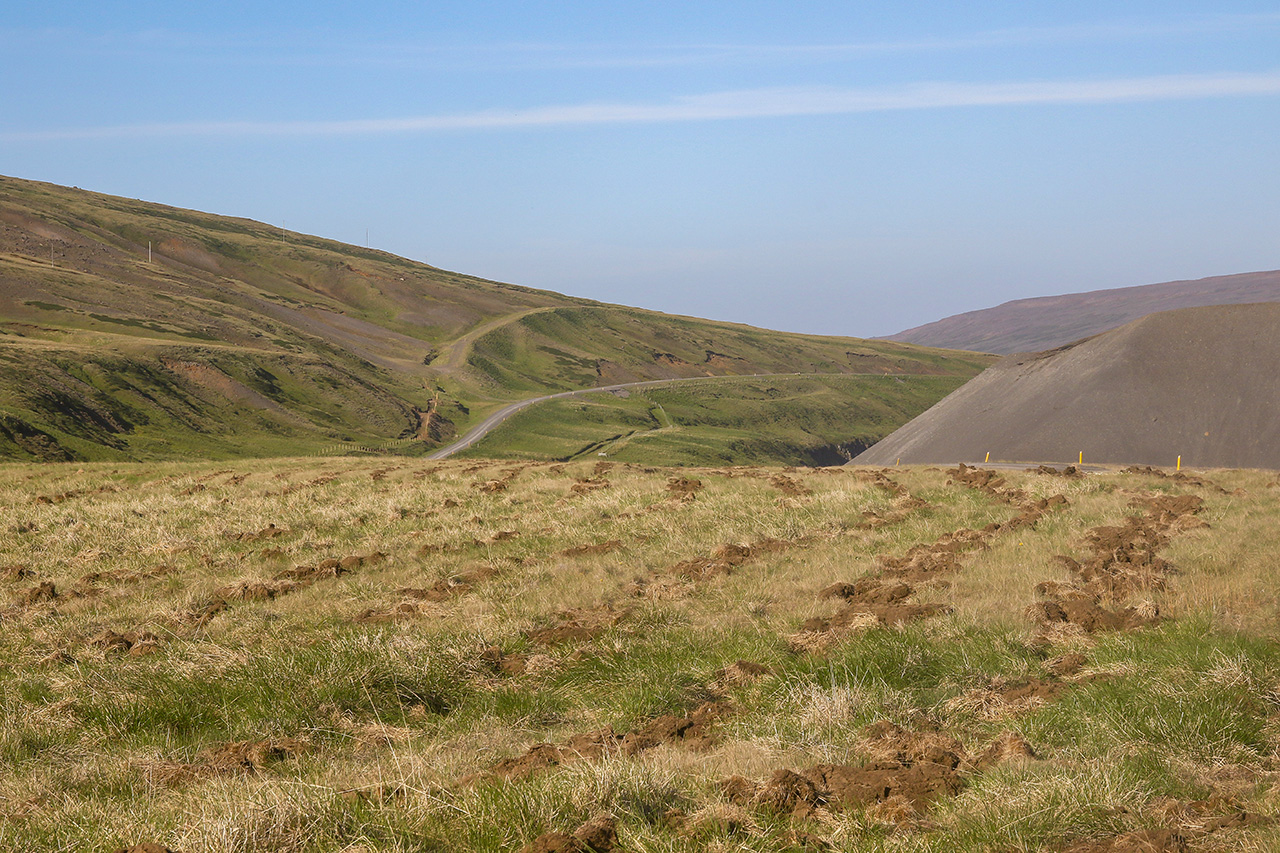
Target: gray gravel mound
1200 383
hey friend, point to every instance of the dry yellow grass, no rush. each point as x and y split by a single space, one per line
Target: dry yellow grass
497 606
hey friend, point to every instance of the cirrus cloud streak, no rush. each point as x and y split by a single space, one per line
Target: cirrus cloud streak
763 103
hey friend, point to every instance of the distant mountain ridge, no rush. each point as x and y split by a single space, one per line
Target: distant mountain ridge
1045 322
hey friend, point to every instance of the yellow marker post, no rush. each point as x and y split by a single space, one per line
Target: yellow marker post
1081 457
988 459
898 463
1179 463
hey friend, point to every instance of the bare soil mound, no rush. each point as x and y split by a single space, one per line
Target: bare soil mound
1198 383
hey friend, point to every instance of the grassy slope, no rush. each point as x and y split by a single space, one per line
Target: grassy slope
799 420
241 339
359 730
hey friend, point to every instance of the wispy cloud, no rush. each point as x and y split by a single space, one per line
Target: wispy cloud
765 103
326 48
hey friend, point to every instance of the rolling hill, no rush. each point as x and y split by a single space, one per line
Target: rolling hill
1033 325
1197 383
133 330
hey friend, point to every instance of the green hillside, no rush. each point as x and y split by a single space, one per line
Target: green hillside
132 330
740 420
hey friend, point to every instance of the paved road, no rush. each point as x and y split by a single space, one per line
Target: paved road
484 427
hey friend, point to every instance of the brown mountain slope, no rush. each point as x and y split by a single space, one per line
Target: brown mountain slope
1200 383
133 330
1032 325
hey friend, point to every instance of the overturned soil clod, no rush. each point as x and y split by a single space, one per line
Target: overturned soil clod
578 625
691 731
598 835
588 550
1123 563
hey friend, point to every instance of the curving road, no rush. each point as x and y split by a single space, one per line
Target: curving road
486 426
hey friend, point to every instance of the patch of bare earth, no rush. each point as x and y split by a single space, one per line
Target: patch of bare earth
1123 563
904 772
237 758
598 835
691 731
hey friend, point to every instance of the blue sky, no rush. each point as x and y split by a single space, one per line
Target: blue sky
843 168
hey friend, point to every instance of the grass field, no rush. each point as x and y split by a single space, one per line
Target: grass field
797 420
393 655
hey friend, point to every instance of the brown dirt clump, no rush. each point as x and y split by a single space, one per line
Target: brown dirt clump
723 561
598 835
587 550
74 493
147 847
869 590
268 532
905 772
1009 746
999 699
236 758
446 588
255 590
16 572
903 503
740 673
1177 477
121 576
1123 562
579 625
683 489
789 486
1091 617
692 730
1065 665
202 612
587 485
394 613
412 598
660 588
251 756
41 593
331 568
134 643
885 614
515 663
1070 472
910 767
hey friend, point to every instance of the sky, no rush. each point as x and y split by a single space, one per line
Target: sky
851 168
